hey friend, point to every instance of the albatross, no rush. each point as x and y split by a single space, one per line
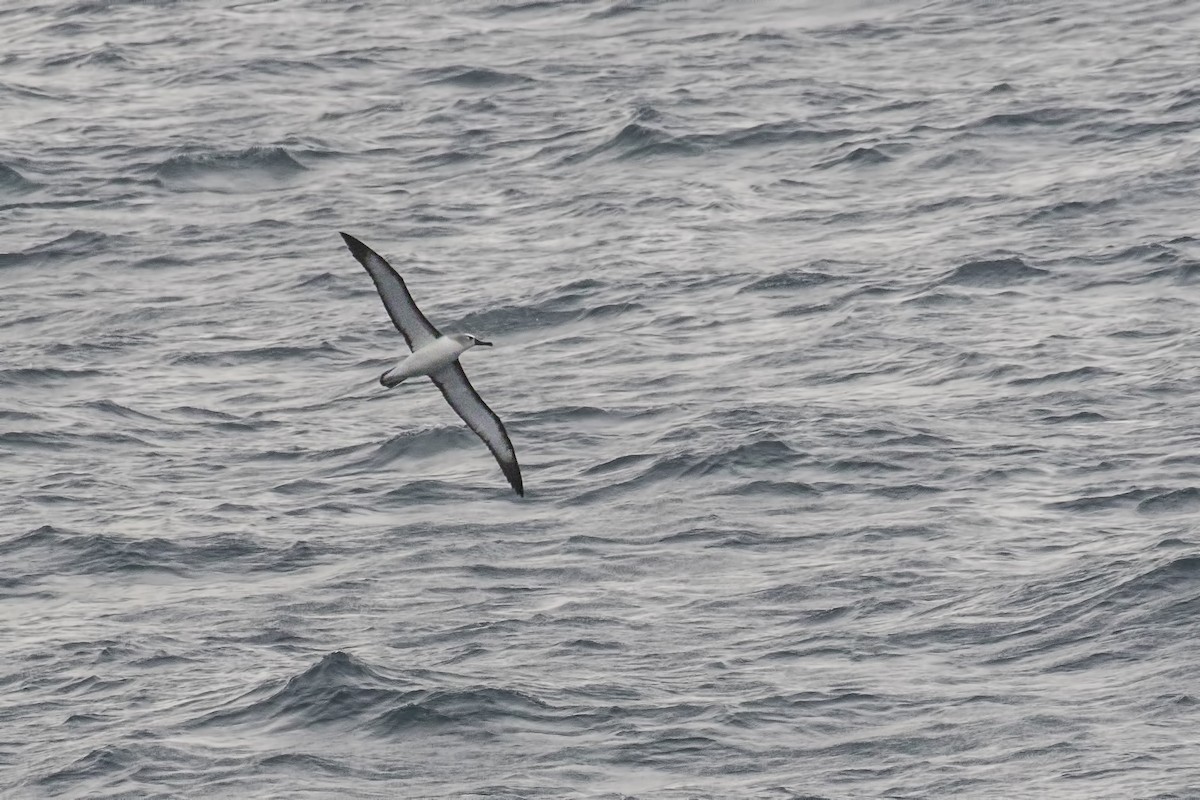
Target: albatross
436 355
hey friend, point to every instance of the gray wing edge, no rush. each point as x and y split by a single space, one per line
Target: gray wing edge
408 319
459 392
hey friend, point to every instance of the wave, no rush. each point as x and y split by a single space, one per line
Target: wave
253 169
746 461
1037 117
963 157
1073 418
62 551
618 463
798 279
646 136
107 55
1127 602
472 77
93 553
1067 210
373 458
460 708
555 311
117 410
107 761
638 141
44 376
1174 501
343 690
160 262
993 273
58 440
501 9
1061 376
858 157
622 8
75 244
259 355
14 183
387 109
779 488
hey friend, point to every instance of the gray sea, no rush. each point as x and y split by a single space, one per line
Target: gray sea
849 350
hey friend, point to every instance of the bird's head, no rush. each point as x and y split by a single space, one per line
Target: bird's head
468 341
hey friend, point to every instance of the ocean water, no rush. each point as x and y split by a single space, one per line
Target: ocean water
849 350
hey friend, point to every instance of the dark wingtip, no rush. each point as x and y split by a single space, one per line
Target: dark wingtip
357 248
513 473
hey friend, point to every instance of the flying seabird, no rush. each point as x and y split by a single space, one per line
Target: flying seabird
436 355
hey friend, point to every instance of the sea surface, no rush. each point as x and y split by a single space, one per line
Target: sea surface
849 351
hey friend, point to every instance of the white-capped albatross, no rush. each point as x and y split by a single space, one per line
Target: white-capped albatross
436 355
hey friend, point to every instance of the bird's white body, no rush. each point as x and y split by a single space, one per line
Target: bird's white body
426 360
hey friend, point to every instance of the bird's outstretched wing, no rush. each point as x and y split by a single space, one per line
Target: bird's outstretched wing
463 398
408 319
